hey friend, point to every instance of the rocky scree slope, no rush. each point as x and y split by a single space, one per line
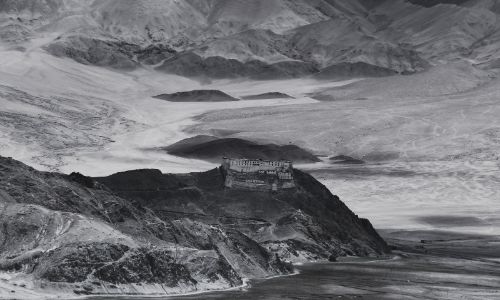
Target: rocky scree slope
144 232
261 39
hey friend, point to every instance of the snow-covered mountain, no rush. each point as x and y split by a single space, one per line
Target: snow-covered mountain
403 36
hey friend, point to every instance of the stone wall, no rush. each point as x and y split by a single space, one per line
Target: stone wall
259 175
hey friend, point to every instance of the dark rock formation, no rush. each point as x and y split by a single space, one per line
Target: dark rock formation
213 149
82 179
193 65
430 3
154 54
308 218
344 159
197 96
75 262
270 95
350 70
92 51
149 266
108 52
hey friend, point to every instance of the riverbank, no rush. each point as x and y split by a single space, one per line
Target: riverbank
424 265
449 266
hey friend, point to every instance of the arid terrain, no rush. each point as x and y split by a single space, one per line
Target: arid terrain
442 265
399 101
423 152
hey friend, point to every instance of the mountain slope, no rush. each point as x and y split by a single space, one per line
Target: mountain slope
401 36
440 32
329 227
68 234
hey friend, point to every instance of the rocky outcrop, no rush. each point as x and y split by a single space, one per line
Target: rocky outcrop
197 96
213 149
144 232
344 159
430 3
192 65
87 50
350 70
108 52
270 95
309 214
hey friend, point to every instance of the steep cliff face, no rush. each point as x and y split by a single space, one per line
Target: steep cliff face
144 232
308 217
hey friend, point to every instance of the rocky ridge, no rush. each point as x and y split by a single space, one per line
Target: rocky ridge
197 96
212 148
144 232
268 95
260 39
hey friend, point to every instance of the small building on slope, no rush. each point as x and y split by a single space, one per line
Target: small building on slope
256 174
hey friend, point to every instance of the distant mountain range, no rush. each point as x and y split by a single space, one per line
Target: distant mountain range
258 38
